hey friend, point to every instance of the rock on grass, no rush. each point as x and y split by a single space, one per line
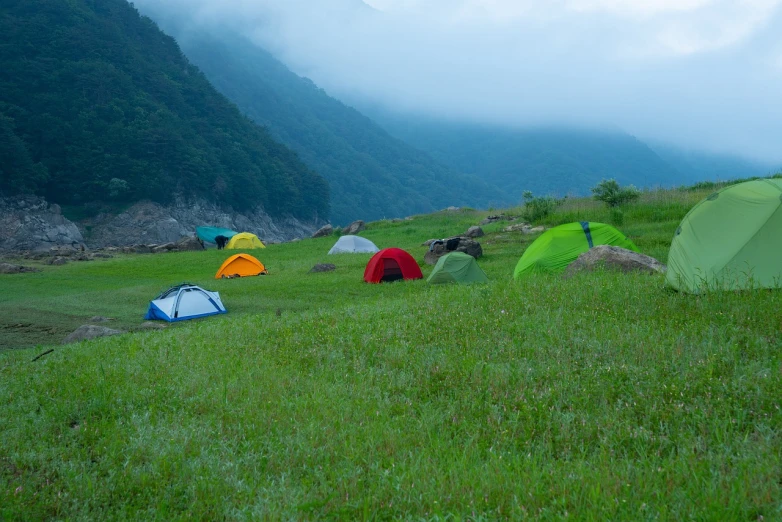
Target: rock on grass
614 258
89 331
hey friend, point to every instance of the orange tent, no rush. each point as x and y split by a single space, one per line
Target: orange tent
240 265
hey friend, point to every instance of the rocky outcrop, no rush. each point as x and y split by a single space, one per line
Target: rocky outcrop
474 232
354 228
30 223
614 258
147 223
324 231
89 331
8 268
323 267
440 247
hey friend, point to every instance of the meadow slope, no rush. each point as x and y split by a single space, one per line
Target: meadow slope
318 396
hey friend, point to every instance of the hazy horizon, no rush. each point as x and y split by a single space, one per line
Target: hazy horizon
699 74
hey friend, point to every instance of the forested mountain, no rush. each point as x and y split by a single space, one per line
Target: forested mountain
371 174
700 166
97 104
551 160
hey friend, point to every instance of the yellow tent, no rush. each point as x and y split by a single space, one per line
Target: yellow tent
244 241
240 265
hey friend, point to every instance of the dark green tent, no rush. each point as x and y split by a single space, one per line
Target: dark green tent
731 240
457 267
556 248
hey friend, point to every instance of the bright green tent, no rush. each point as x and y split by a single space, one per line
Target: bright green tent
457 267
209 234
731 240
558 247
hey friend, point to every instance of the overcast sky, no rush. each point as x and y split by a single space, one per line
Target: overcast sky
701 73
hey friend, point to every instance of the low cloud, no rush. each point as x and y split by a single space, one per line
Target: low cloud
699 73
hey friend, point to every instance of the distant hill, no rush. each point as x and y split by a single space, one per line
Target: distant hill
371 174
545 160
705 166
98 105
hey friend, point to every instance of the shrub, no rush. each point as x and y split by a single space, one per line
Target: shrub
537 208
609 192
617 216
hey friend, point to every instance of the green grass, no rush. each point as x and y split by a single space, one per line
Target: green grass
604 397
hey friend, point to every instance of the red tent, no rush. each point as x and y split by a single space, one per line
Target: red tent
391 264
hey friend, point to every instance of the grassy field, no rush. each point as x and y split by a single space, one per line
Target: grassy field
604 397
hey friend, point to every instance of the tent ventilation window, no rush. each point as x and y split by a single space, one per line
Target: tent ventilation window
714 196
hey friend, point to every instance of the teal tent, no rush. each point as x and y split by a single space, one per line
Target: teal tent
208 234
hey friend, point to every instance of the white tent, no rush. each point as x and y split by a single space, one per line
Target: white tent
184 302
353 245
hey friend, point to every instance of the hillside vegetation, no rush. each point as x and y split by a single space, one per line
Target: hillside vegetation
371 174
98 105
602 397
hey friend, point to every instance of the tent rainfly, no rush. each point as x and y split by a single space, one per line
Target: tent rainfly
183 302
732 240
457 267
556 248
240 265
353 245
244 241
209 234
391 264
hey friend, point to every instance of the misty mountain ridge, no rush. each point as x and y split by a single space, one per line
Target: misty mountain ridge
558 159
545 159
371 174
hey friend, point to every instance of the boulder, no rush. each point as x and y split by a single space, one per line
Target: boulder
491 219
30 223
474 232
354 228
614 258
533 230
100 319
440 247
89 331
160 249
324 231
518 227
190 243
8 268
57 261
323 267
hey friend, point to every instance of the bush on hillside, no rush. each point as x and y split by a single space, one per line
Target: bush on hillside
609 192
537 208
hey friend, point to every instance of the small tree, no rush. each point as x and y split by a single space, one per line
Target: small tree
609 192
118 188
